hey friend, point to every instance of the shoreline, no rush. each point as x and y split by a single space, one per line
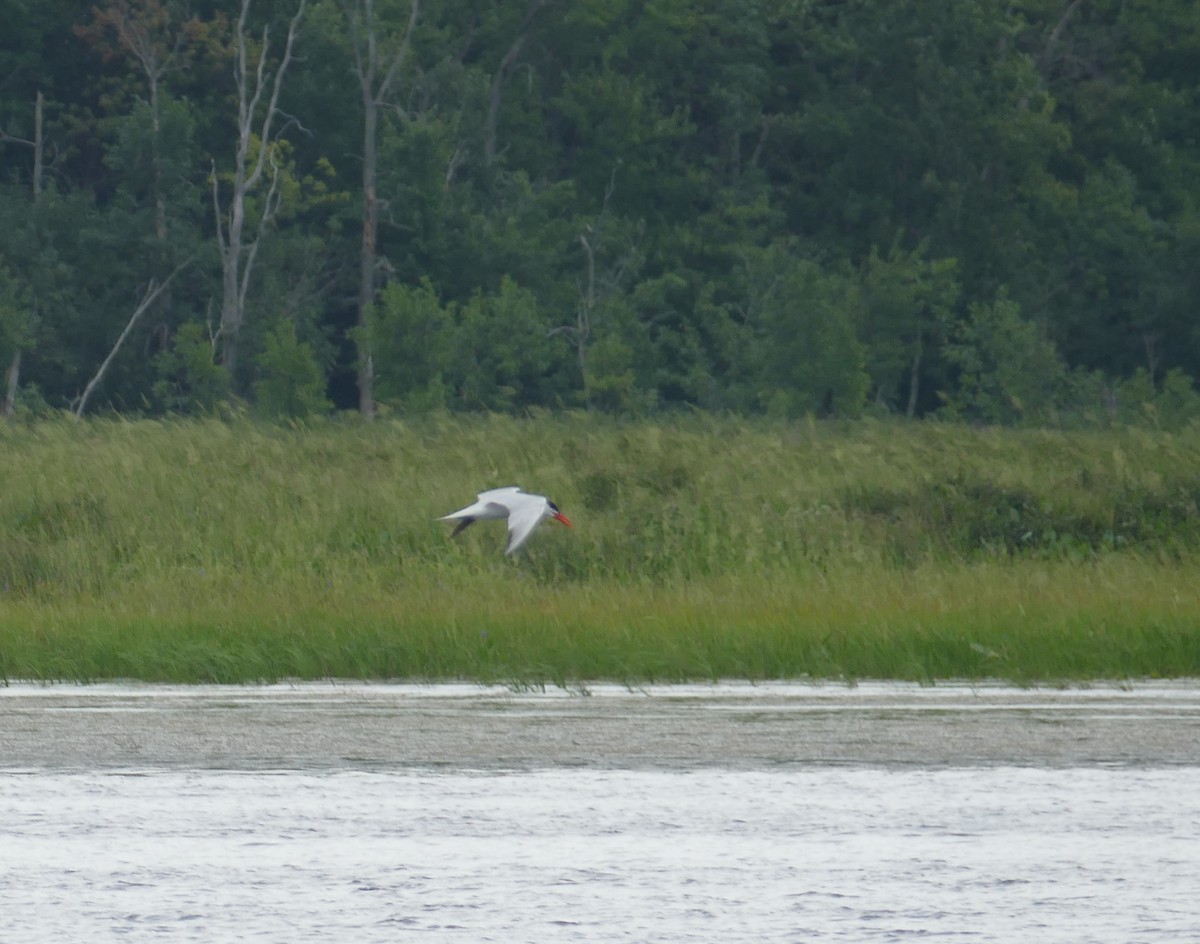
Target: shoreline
365 726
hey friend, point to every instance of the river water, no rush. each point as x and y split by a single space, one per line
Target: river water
726 813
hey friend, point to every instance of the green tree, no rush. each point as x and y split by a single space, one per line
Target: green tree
1008 372
414 335
502 357
492 353
291 383
1124 77
191 379
908 305
155 36
805 356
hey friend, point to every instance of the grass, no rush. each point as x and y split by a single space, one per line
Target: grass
703 548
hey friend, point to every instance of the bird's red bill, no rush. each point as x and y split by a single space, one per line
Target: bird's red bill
559 516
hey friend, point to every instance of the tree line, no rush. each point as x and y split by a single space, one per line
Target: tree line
792 207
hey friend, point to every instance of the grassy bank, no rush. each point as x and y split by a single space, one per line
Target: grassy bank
705 548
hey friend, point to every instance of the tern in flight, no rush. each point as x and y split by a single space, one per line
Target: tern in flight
523 511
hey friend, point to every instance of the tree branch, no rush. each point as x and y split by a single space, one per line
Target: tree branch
152 292
401 53
251 108
1055 33
270 208
506 64
216 196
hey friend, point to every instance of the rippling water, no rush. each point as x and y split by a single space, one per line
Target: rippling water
370 850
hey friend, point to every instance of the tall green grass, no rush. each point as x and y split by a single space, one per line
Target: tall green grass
703 548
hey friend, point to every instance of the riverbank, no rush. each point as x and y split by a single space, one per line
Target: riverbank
372 726
707 548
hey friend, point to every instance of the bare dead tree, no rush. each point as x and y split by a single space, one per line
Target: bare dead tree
594 292
36 144
582 332
39 145
12 378
258 109
1056 33
501 76
153 290
376 72
12 374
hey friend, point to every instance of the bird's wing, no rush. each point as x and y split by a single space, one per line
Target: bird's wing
500 496
462 525
523 517
499 502
494 503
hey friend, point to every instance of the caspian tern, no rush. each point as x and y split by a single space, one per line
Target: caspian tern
523 511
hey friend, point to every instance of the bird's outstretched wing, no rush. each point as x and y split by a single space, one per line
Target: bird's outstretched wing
523 518
462 525
468 516
500 496
488 505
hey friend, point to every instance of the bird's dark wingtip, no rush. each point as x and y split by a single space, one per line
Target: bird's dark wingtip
464 523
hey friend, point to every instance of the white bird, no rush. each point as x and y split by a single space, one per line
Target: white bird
523 511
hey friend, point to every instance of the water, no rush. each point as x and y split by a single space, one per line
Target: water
729 813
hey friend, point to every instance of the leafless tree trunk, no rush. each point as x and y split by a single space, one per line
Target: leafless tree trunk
12 375
591 298
376 74
39 146
1056 33
253 160
501 76
1150 343
153 290
914 383
583 315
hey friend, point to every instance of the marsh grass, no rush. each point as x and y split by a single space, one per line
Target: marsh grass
703 548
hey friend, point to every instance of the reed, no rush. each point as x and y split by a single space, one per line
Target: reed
703 548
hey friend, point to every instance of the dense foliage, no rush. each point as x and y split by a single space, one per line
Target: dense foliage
785 206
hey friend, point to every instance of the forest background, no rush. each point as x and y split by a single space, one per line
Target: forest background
980 210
